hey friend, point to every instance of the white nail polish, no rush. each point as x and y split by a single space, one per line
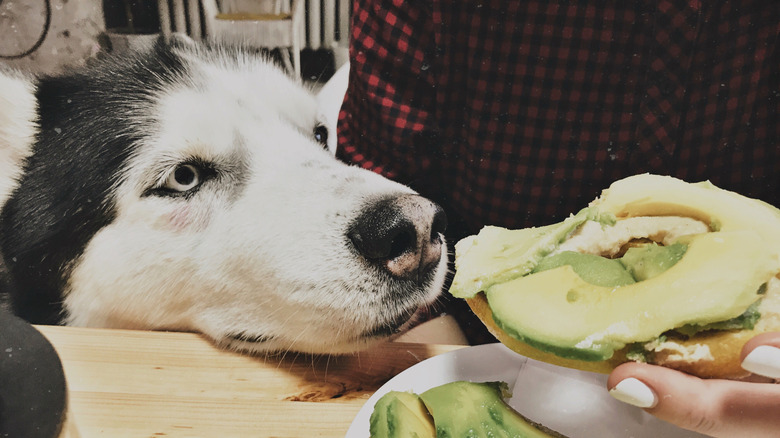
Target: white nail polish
763 360
634 392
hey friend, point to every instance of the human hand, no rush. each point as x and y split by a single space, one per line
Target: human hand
720 408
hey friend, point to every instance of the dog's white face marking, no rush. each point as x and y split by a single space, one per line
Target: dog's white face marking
17 129
233 221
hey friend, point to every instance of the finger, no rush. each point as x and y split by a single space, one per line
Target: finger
720 408
761 355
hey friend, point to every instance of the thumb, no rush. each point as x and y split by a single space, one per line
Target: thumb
720 408
761 355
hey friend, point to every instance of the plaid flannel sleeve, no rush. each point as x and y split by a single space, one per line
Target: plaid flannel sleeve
384 121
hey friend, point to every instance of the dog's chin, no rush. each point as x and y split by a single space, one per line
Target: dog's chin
385 331
345 340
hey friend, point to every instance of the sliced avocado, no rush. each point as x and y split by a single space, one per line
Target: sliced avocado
651 260
638 264
559 312
591 268
475 410
723 210
402 415
746 321
497 254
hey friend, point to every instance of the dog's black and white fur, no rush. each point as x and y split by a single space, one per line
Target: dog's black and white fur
187 187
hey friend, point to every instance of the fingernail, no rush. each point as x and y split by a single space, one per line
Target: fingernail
634 392
763 360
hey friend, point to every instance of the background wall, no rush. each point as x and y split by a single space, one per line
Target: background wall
44 36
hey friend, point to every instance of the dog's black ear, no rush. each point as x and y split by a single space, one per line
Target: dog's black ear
161 42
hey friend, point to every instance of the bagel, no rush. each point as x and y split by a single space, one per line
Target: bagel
703 268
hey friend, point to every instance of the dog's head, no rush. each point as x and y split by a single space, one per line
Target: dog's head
188 188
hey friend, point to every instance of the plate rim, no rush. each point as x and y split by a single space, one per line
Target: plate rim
360 424
504 364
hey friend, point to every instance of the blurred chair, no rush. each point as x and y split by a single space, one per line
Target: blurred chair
183 17
270 24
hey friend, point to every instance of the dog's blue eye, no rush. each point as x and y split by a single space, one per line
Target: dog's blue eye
321 134
183 178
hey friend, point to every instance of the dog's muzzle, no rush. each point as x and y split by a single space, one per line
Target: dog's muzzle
402 235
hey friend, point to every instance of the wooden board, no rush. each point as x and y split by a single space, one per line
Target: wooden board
151 384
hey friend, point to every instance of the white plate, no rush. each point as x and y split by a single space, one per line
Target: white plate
574 403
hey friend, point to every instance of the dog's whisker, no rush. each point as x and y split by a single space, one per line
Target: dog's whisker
327 367
293 342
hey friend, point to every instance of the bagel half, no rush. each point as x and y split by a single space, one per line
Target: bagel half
642 199
724 346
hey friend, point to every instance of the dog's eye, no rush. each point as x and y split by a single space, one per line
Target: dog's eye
183 178
321 134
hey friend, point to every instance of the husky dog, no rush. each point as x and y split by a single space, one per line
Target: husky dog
188 187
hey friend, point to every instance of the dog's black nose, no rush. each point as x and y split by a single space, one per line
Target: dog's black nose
403 234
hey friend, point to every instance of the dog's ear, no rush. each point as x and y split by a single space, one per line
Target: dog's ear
329 99
18 127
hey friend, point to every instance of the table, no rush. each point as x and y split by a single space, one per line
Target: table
125 383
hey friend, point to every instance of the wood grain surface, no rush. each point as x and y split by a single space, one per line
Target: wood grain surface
125 383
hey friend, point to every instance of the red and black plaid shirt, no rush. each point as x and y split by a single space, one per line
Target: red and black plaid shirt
517 113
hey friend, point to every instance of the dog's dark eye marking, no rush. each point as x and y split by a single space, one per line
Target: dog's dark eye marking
321 134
